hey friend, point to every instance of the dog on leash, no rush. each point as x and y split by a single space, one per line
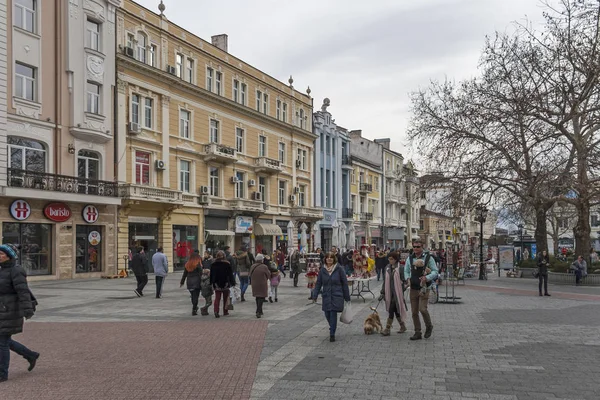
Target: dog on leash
372 323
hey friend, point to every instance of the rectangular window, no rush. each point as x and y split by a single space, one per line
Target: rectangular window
130 40
265 103
302 196
282 192
333 190
189 76
148 113
35 256
141 47
262 146
282 152
26 154
219 82
284 112
142 168
209 79
243 94
239 140
278 110
333 146
262 188
24 17
184 124
258 100
135 108
353 177
179 65
302 156
327 190
240 185
214 131
25 82
93 98
92 35
352 202
236 91
152 55
214 181
184 175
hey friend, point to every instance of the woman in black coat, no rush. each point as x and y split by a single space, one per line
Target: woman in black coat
15 303
543 263
221 279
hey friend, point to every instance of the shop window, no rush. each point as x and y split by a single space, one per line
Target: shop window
185 241
36 245
88 249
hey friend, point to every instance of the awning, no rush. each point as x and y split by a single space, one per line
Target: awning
267 230
217 232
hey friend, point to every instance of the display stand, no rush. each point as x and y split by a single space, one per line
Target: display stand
450 284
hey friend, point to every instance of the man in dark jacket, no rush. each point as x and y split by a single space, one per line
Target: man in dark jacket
231 260
222 280
381 261
15 303
139 266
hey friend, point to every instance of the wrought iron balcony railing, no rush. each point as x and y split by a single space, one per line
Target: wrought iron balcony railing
365 187
366 216
347 213
60 183
346 160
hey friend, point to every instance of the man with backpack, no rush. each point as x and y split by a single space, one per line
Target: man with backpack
420 280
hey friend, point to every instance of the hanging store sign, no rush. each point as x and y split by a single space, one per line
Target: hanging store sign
20 210
243 224
57 212
90 214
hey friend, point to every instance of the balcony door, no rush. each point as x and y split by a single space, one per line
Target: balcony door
88 171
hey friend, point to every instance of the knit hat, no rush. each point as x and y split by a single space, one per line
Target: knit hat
10 250
259 258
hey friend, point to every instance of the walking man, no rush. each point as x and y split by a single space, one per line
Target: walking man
161 269
420 281
139 266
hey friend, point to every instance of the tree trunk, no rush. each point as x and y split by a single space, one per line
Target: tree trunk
555 236
582 230
541 230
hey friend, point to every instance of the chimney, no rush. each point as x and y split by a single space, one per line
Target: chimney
384 142
355 134
220 41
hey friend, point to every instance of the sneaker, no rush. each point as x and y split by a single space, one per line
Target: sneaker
32 362
547 294
139 294
416 336
428 332
270 299
332 338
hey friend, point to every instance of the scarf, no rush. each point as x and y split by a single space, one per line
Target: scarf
329 269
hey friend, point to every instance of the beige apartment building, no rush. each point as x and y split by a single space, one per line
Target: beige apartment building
59 196
212 151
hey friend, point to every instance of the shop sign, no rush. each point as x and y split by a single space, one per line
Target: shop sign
359 232
375 232
94 238
90 214
57 212
243 224
20 210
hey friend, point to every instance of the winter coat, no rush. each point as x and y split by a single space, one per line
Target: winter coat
193 277
381 262
243 263
207 262
231 260
543 262
275 279
221 275
393 282
295 262
15 298
259 280
160 264
139 264
280 258
334 289
205 286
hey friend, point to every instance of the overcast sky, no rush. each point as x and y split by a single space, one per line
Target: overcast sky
366 56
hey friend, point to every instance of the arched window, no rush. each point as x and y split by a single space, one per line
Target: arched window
27 154
88 171
141 46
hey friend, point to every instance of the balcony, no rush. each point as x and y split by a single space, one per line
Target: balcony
347 213
22 179
268 165
365 188
148 193
392 198
307 213
219 153
346 162
389 221
248 206
367 217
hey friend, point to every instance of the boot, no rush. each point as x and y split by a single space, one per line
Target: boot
243 298
388 327
194 311
428 331
416 336
204 311
402 326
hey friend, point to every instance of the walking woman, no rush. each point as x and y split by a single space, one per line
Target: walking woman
259 280
333 286
15 303
543 263
393 293
221 279
192 271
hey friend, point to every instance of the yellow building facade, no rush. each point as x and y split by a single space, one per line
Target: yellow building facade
212 151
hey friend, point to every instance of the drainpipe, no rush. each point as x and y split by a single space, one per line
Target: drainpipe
58 86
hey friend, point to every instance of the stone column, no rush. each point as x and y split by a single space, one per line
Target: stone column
122 238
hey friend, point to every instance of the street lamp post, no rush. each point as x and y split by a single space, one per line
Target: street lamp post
520 226
481 217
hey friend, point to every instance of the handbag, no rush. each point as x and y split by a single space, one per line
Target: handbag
535 272
347 314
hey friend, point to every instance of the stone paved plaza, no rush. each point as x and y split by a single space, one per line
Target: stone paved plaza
99 341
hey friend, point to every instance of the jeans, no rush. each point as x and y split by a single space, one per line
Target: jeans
159 285
281 269
142 280
274 291
6 345
544 278
259 305
244 282
578 275
331 317
218 295
195 296
379 273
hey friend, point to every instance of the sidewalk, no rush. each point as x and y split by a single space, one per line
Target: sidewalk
99 341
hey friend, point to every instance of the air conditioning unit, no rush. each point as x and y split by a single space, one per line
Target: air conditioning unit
251 182
234 179
292 198
298 163
129 52
204 199
134 128
204 190
257 196
160 164
296 190
171 70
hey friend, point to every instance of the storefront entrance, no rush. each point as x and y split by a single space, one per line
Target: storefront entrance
36 245
185 241
88 248
146 236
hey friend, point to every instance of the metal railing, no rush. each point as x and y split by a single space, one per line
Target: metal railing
60 183
347 213
346 160
365 187
366 216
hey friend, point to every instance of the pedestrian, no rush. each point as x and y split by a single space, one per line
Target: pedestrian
207 260
161 269
294 261
280 259
415 270
15 304
393 293
333 286
231 260
243 265
275 279
191 273
139 266
580 267
543 263
381 262
222 280
206 290
259 280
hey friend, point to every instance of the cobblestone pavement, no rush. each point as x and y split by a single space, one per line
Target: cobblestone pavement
502 341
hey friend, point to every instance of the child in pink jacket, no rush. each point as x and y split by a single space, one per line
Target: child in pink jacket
275 279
